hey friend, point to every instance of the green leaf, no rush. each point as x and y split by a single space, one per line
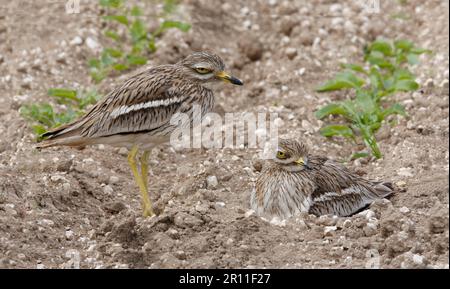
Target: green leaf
98 76
151 45
370 141
94 63
354 67
136 11
365 102
39 129
337 130
376 58
63 93
345 79
382 46
406 85
120 66
359 155
111 3
420 50
136 60
376 80
138 30
113 35
119 18
404 45
169 6
396 108
172 24
113 52
412 58
330 109
401 73
88 98
106 59
176 24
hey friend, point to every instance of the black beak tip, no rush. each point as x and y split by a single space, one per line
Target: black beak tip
236 81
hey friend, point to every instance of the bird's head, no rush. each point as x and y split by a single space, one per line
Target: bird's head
206 67
291 155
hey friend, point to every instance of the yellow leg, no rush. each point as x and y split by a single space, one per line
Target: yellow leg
146 203
144 168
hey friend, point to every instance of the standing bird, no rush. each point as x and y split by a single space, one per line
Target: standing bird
138 113
296 181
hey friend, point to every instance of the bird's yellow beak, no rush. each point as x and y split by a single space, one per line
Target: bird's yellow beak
300 162
229 78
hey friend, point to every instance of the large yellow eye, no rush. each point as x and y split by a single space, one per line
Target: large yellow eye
281 155
202 70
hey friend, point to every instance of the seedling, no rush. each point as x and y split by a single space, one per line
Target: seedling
43 116
385 72
131 48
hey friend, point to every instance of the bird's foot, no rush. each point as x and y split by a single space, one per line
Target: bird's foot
148 211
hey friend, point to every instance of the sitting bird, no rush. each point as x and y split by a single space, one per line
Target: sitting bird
296 181
137 114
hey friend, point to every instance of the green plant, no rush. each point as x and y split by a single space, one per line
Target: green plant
141 40
386 72
43 116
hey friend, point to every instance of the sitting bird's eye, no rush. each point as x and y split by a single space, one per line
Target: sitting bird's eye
202 70
281 155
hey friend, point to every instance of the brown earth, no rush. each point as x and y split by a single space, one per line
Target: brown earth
62 207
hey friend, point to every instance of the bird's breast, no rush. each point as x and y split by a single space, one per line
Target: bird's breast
283 194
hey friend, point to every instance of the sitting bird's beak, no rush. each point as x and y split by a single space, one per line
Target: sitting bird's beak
303 162
228 78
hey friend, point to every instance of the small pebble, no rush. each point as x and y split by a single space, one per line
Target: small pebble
249 213
329 230
404 210
212 182
108 189
291 52
77 40
113 180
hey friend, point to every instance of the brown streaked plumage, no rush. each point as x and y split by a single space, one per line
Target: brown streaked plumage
137 114
296 181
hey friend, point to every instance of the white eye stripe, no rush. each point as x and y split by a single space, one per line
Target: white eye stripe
124 109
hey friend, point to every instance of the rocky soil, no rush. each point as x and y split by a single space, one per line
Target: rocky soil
64 208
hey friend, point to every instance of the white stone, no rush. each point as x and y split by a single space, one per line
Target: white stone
405 172
404 210
57 178
108 189
278 222
77 40
220 204
367 214
113 180
347 223
69 234
249 213
335 8
45 222
92 44
291 52
212 182
401 184
329 230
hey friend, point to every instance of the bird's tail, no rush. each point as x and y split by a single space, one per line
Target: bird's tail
69 135
383 189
